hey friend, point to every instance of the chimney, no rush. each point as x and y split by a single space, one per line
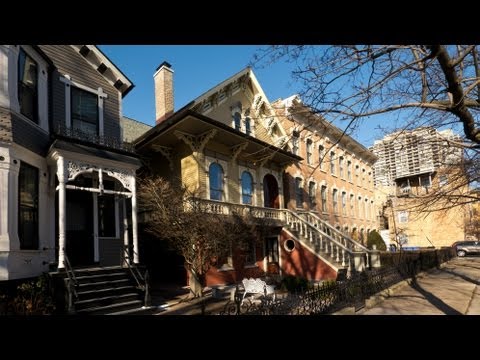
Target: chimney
163 79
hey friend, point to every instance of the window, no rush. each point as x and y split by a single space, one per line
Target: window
340 166
250 254
309 151
295 139
28 207
335 201
215 175
298 192
106 216
28 86
84 111
311 193
324 198
272 249
321 154
352 205
248 129
357 172
332 163
360 206
443 180
247 188
237 118
344 203
366 209
403 217
349 170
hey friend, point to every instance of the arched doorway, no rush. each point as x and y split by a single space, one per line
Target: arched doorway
271 198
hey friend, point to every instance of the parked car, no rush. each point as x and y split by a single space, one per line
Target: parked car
467 247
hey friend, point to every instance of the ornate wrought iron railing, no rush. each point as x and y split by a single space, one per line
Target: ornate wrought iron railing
107 141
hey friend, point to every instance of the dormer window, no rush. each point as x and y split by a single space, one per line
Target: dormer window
27 86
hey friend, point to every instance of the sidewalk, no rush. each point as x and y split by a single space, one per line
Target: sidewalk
174 300
454 289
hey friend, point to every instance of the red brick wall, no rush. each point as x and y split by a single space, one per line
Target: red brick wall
221 277
302 262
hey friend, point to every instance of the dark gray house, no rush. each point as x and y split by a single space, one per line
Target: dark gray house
67 181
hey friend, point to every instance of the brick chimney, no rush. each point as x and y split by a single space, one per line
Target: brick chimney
163 79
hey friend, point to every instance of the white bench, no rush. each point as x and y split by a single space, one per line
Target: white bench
257 286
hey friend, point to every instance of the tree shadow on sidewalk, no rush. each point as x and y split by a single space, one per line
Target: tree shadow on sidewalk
435 301
462 276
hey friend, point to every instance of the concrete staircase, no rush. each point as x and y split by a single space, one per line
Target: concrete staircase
338 250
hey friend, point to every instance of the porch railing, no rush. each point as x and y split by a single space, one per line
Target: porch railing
338 235
319 235
72 284
142 281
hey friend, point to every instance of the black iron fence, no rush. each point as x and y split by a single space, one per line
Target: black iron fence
332 296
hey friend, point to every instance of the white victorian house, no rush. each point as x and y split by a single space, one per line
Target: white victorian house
67 182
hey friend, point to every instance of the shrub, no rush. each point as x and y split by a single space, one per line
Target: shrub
295 284
374 238
33 298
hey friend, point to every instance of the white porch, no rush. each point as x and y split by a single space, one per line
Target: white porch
94 192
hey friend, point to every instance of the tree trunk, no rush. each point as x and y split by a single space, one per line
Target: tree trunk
195 281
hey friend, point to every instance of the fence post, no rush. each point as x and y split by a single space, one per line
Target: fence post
375 259
358 261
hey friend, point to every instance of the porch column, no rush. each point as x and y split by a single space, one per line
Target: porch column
134 221
62 211
125 229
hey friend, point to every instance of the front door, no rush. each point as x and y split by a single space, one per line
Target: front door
271 197
271 250
79 228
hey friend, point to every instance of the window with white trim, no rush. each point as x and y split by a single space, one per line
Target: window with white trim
340 166
311 193
335 201
321 154
295 141
309 152
349 170
28 206
332 163
352 205
323 194
84 111
28 86
344 203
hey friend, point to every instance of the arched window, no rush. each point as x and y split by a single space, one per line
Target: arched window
247 188
248 129
215 174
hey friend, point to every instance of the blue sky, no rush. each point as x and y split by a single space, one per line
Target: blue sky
197 68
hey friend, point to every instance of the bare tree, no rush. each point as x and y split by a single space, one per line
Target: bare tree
424 85
196 229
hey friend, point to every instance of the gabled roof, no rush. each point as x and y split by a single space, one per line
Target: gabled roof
100 62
